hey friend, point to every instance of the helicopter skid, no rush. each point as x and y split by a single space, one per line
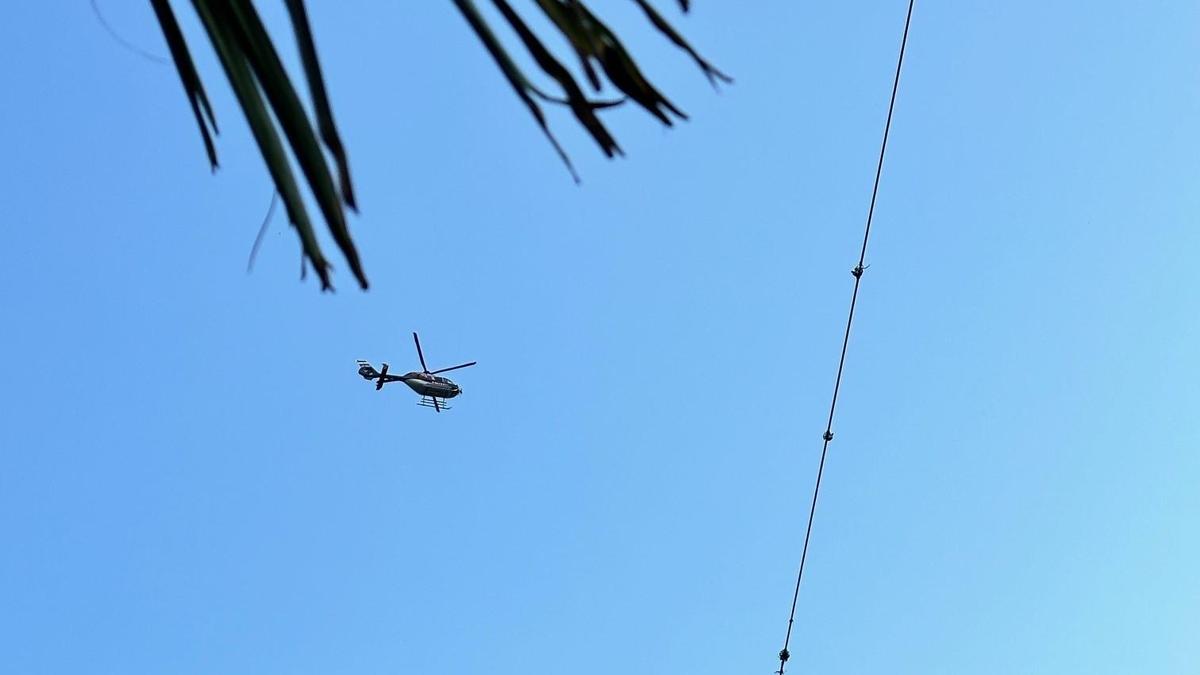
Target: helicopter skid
429 402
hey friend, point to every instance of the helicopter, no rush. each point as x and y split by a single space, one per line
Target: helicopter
426 382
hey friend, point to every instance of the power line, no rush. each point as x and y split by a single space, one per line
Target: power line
857 272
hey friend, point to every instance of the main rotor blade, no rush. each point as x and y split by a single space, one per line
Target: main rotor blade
420 355
442 370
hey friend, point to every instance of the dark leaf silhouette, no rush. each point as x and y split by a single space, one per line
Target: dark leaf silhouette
279 121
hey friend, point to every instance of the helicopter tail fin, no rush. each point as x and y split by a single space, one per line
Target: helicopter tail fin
367 372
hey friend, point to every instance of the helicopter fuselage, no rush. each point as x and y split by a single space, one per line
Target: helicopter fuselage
431 385
424 384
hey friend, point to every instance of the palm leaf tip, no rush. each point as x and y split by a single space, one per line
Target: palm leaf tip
516 79
320 98
254 70
583 109
220 24
188 76
710 71
593 40
260 55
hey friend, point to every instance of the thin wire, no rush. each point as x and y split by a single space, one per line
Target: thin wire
122 41
857 272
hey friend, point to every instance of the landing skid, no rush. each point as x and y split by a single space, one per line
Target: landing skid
433 402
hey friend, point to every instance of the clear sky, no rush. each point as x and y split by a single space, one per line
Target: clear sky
193 479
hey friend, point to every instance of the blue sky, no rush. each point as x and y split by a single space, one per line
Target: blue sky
194 479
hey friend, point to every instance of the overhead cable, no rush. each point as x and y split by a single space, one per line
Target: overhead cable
857 273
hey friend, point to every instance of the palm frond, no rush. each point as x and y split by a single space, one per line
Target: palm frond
259 52
673 35
512 73
187 74
316 85
268 98
221 27
580 105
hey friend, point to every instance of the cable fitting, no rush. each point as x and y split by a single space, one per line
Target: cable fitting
828 436
783 655
858 271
